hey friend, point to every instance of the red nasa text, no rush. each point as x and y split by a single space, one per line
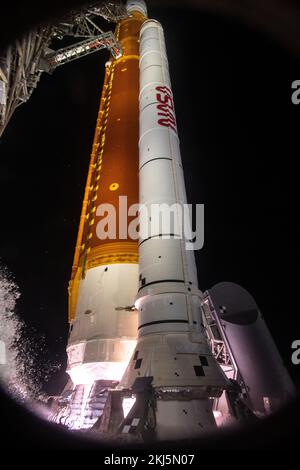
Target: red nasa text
165 107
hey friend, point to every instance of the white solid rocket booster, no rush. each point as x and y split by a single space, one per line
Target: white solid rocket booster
171 345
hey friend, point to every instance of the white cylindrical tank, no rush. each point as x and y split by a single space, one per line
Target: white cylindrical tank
266 380
171 345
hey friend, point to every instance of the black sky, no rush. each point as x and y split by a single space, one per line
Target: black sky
239 132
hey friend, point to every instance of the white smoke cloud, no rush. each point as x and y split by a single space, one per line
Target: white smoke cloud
10 332
22 367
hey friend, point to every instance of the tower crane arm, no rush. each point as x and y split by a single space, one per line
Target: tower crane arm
64 55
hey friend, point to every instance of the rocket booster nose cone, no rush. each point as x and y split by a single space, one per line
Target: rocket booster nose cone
136 5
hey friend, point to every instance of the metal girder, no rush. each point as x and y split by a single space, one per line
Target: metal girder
24 61
83 22
217 345
83 48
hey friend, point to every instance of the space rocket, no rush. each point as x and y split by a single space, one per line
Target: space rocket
141 331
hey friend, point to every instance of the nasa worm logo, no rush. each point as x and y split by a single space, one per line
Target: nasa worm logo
165 107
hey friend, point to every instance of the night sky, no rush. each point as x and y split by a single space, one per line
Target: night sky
239 132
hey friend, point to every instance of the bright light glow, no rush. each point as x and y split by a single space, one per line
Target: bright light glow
89 373
79 422
219 418
82 372
127 404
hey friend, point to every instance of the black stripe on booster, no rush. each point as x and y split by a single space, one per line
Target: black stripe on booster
158 282
162 321
159 235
